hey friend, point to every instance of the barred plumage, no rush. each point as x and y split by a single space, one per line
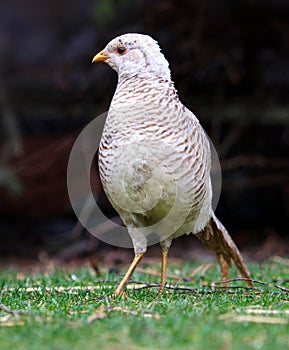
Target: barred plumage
154 157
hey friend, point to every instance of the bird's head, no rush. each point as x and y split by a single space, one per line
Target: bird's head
134 55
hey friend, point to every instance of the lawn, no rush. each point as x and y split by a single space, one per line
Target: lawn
74 309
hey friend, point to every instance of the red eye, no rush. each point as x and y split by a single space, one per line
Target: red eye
121 50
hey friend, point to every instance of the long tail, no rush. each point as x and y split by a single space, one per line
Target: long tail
216 238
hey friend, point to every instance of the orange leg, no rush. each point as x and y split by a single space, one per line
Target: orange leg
165 252
120 289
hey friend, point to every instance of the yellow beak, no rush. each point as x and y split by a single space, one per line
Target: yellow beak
100 57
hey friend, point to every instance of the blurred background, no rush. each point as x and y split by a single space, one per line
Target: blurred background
230 64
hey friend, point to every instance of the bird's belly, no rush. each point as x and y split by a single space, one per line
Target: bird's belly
153 186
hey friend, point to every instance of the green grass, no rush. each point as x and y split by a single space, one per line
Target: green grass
42 316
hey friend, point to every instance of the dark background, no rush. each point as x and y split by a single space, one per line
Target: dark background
230 64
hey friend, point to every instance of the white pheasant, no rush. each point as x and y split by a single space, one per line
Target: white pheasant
155 160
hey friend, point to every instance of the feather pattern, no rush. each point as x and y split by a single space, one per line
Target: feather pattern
154 156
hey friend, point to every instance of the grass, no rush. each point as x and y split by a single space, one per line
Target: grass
74 310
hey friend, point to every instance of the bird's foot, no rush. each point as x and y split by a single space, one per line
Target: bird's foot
161 291
117 294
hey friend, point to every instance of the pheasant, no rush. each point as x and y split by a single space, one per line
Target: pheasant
155 159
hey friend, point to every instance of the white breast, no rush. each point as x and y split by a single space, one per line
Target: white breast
154 165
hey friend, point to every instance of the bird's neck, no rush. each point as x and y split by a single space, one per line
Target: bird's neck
156 67
145 88
143 101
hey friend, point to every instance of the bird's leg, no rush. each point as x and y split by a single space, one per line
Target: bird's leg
165 246
225 265
119 290
164 270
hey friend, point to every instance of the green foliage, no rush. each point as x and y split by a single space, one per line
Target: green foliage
9 180
106 10
62 310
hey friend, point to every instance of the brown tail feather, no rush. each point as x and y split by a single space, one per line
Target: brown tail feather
216 238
